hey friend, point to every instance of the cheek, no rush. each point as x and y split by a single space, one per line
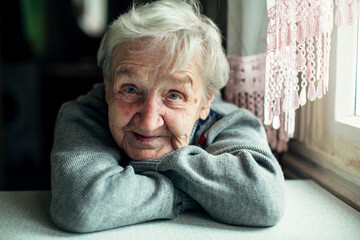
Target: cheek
120 114
181 124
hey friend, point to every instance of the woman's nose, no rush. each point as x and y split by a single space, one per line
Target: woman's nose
150 116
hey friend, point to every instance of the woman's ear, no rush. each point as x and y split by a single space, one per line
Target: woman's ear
205 109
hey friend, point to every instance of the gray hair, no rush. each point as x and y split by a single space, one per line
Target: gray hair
180 28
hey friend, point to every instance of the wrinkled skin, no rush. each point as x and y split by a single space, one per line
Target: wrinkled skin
152 111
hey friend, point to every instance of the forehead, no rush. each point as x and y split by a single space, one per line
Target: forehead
139 55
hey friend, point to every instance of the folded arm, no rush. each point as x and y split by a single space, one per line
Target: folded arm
234 177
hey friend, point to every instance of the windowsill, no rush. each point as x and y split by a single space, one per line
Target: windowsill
347 128
301 162
352 122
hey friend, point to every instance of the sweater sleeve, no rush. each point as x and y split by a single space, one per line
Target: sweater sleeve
91 191
234 176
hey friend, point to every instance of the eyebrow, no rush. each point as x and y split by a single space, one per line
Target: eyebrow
184 78
176 77
124 70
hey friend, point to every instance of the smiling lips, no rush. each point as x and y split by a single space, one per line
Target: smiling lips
145 139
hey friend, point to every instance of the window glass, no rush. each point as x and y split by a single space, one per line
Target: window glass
91 16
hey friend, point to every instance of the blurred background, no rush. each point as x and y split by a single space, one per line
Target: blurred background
47 57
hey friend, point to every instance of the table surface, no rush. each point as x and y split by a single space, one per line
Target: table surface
311 213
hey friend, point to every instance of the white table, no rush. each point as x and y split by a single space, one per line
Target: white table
311 213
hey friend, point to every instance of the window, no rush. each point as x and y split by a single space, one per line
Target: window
91 16
326 146
346 122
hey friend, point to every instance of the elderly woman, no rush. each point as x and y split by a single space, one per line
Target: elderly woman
151 142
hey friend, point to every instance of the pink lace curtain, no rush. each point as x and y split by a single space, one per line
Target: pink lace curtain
247 49
246 89
297 62
294 69
347 11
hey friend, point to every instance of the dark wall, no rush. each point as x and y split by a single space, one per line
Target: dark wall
36 78
38 74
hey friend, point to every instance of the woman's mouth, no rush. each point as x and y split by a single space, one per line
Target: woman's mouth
145 139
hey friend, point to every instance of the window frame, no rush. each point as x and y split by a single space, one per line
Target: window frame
341 107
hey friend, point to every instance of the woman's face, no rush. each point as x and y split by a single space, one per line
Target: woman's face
152 111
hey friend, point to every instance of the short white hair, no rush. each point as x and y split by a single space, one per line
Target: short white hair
180 28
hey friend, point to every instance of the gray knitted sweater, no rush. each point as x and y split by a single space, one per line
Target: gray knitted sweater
227 170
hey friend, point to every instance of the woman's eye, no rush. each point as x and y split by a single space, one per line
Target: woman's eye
174 96
130 90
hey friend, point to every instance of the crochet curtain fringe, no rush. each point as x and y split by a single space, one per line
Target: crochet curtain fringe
347 11
297 61
295 67
246 89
